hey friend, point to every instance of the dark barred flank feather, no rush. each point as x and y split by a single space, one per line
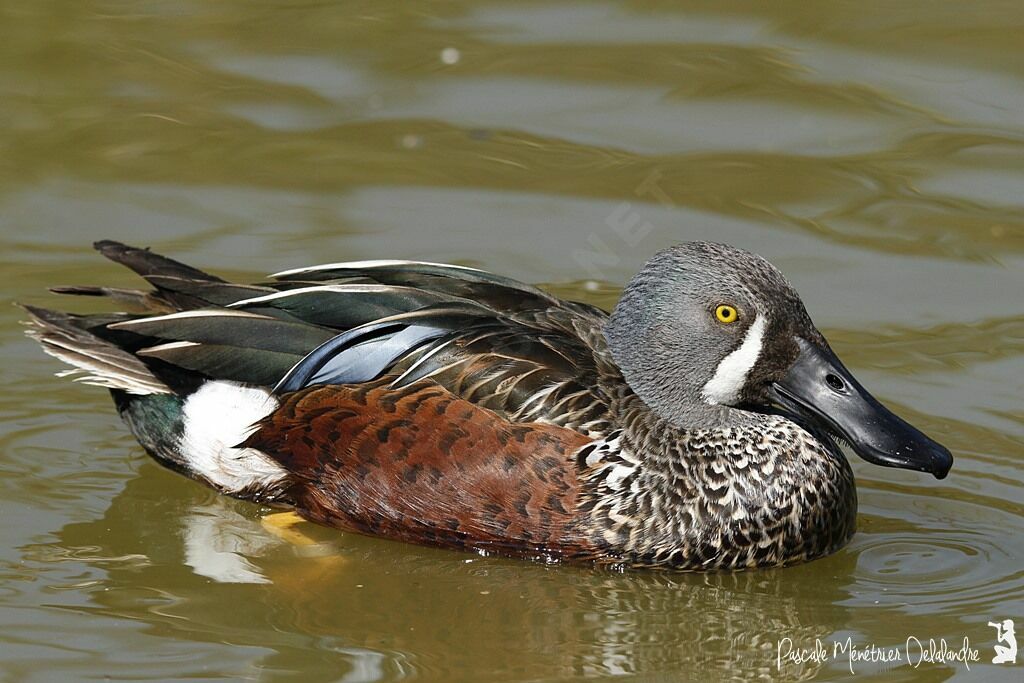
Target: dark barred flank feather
419 464
449 406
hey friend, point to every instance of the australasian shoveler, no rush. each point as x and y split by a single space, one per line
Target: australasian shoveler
694 427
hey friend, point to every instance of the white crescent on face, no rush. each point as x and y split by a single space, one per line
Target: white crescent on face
724 388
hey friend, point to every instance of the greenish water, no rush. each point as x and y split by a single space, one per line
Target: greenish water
874 151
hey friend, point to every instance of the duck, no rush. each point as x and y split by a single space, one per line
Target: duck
697 426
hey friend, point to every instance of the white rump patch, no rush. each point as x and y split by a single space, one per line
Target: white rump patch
724 388
218 417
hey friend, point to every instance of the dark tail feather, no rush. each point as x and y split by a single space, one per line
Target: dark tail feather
146 263
134 299
178 287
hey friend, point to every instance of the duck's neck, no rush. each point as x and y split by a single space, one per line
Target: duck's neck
730 489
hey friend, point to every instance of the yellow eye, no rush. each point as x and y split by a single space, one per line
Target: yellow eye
726 314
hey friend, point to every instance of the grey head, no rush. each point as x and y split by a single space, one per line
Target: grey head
706 334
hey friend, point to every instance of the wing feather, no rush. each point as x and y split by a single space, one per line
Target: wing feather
492 340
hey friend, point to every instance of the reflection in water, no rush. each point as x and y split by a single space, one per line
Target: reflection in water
872 150
385 610
218 540
423 611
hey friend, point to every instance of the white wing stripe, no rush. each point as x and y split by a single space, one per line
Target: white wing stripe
383 263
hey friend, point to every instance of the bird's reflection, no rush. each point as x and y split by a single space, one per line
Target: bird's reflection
321 598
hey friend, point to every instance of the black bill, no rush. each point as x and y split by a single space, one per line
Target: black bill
820 389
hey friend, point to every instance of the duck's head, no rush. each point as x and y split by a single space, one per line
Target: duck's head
704 326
